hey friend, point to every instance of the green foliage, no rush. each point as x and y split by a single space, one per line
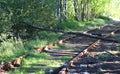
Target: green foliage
41 13
11 48
70 10
13 12
73 25
112 9
66 58
98 6
68 25
82 10
104 17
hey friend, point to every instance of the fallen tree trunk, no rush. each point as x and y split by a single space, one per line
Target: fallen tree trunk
76 33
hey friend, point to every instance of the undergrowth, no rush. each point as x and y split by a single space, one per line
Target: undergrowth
73 25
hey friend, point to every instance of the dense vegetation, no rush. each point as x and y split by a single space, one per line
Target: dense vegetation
70 15
50 13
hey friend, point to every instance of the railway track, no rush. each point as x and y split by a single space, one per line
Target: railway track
70 67
17 62
81 55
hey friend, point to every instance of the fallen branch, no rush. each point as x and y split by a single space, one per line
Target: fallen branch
75 33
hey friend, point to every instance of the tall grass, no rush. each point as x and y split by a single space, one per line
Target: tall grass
10 48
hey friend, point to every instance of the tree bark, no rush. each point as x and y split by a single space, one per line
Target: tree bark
76 10
65 10
60 11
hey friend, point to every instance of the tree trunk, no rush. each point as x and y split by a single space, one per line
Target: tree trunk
65 10
60 11
83 14
76 10
55 8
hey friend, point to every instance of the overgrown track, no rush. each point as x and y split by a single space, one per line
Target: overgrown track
70 67
17 62
63 69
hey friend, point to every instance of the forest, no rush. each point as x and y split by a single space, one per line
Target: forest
27 25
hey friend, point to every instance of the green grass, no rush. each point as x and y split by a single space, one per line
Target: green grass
11 48
64 58
118 48
104 57
73 25
39 63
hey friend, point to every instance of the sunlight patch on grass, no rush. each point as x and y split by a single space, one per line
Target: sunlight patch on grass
38 63
43 39
82 25
113 52
36 43
66 58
